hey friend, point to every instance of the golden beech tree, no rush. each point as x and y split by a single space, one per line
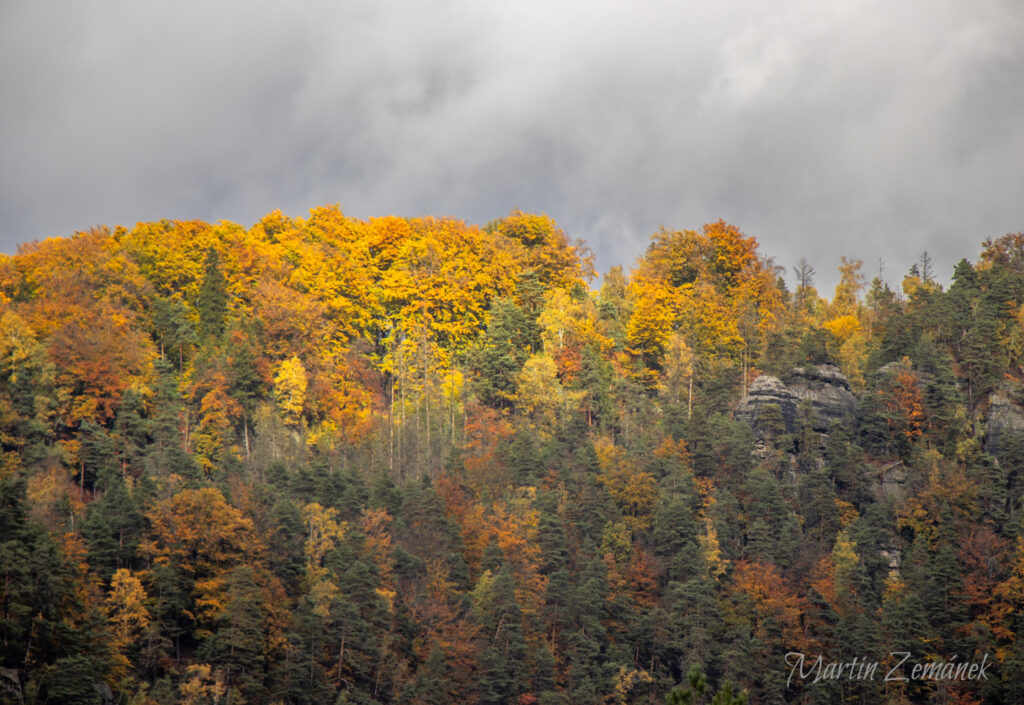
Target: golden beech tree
677 383
711 287
714 564
990 602
291 322
541 396
949 488
485 429
290 384
905 404
558 318
1010 592
324 532
415 287
126 609
851 282
546 249
56 271
202 684
376 525
649 330
212 439
732 253
335 268
711 321
571 321
83 300
634 491
171 254
197 528
340 403
771 598
197 532
538 391
847 322
98 355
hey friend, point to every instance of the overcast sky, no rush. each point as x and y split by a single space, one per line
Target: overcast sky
874 129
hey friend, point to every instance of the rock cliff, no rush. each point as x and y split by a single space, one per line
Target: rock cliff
1004 416
824 386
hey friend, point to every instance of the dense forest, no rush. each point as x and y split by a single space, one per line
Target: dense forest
421 462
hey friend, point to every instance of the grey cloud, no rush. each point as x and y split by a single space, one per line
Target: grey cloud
864 128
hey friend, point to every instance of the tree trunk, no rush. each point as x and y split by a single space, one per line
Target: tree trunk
689 398
341 656
391 429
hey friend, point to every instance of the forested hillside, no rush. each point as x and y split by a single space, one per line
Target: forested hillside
416 461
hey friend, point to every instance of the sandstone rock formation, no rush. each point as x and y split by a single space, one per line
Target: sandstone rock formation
828 390
824 386
766 391
891 483
1004 416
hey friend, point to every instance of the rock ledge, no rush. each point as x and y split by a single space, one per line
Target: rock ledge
824 386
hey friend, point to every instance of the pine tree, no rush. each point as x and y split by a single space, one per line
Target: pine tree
355 648
589 668
285 544
98 457
131 433
172 330
166 453
213 299
432 684
551 536
503 349
818 506
675 536
114 527
696 621
504 671
41 635
236 644
696 691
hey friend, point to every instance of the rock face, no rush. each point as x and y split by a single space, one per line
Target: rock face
1004 416
765 392
891 483
828 390
824 386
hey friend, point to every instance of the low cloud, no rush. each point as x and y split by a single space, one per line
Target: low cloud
860 128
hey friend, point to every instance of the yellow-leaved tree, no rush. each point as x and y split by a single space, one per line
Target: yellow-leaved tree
846 322
323 533
713 289
128 616
290 390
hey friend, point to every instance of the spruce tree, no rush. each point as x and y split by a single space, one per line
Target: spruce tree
213 299
504 668
503 349
236 644
113 528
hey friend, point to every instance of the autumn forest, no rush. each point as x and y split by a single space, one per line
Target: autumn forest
415 461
